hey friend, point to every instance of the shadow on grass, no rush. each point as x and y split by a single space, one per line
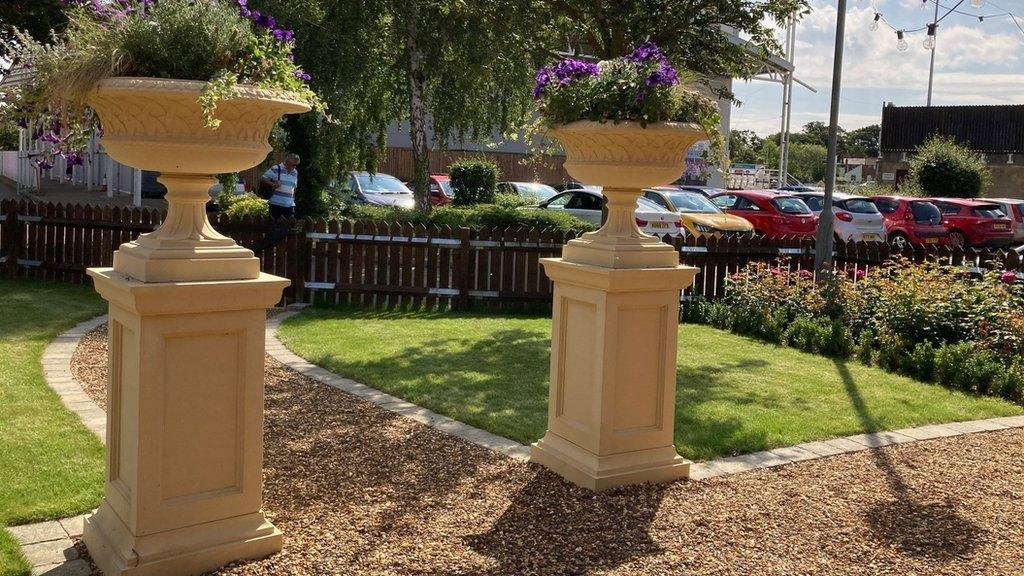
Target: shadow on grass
933 530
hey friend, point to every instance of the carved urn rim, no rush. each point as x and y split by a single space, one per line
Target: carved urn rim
143 85
624 126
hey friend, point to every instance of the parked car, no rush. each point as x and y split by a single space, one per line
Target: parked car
771 213
705 190
440 189
586 205
798 188
975 223
534 190
1014 210
856 219
698 214
911 221
379 190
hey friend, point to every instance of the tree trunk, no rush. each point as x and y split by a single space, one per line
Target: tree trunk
417 110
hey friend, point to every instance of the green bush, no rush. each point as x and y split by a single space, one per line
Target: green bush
318 204
483 215
941 167
827 337
696 310
473 181
513 200
920 363
248 205
865 351
967 367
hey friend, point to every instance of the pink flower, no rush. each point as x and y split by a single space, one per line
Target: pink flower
776 272
859 273
1008 277
806 274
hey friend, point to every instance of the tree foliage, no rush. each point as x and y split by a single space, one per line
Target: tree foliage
941 167
35 17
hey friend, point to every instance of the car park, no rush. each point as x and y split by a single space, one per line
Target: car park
855 218
587 206
911 221
975 223
771 213
379 190
1013 208
534 190
699 215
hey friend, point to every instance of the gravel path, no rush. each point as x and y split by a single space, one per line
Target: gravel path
359 490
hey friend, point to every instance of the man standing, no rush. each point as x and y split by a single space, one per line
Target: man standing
284 177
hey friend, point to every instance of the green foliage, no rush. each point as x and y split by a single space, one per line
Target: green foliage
865 350
489 215
8 136
807 162
244 206
320 203
473 181
820 336
941 167
920 363
513 200
744 146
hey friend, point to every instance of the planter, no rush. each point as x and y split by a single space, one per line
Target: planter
624 159
157 124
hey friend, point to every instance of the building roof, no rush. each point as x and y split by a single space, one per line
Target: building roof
993 129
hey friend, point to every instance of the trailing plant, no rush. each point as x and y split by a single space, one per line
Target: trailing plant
220 42
642 87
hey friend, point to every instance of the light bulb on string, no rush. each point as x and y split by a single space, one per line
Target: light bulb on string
901 43
977 3
874 23
929 40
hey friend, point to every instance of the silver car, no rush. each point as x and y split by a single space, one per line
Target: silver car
855 218
380 190
586 205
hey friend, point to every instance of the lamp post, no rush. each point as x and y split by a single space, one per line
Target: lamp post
823 242
931 39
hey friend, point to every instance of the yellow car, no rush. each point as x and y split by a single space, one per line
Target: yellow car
700 216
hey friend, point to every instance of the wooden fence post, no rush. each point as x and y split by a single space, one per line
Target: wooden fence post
13 237
461 270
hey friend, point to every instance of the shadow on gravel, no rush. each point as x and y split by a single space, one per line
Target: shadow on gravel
552 527
933 530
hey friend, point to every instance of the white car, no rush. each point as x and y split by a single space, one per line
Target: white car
586 205
856 219
380 190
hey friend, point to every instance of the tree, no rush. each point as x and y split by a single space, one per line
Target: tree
807 162
37 17
744 146
864 141
941 167
691 32
768 154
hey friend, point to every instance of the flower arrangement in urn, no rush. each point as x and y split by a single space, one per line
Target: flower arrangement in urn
625 124
187 88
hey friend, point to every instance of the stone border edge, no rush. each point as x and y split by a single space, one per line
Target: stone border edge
56 362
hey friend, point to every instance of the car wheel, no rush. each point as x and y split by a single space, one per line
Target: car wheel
958 239
899 241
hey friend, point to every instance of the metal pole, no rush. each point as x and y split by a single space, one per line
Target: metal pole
823 243
931 66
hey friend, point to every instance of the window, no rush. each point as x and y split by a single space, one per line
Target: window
886 206
947 208
989 211
724 202
693 203
925 213
584 201
790 205
858 206
656 198
813 202
381 184
559 201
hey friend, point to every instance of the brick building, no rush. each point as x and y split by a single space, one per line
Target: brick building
995 131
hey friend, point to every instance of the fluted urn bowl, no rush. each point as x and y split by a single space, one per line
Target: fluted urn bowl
624 159
157 124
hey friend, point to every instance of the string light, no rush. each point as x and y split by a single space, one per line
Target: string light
929 40
977 3
874 23
901 43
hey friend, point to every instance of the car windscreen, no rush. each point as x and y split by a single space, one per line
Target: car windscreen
858 206
813 202
790 205
446 187
535 190
989 211
693 203
926 213
648 206
381 184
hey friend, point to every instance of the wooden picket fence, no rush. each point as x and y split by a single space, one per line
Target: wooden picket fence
381 264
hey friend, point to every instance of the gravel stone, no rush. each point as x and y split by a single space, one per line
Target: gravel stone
359 490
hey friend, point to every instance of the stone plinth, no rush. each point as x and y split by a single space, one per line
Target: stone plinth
611 410
183 486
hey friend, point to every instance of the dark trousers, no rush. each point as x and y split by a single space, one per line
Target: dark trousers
279 225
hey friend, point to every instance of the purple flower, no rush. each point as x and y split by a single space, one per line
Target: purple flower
73 158
289 35
278 34
302 76
665 75
42 163
1008 277
543 78
563 72
245 12
243 2
291 57
647 52
50 137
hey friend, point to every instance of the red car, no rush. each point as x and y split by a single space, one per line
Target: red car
911 221
975 223
440 190
771 213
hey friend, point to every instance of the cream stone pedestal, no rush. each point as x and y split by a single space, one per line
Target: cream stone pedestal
611 406
613 375
183 486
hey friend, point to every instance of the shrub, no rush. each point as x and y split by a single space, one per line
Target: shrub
513 200
696 310
248 205
941 167
488 215
966 367
920 363
827 337
473 182
865 347
318 204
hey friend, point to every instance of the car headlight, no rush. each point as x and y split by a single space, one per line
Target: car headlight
705 229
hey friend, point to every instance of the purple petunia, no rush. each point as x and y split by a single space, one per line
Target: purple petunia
665 75
42 163
562 73
647 52
302 76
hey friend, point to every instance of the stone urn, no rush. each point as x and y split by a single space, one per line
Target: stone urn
624 159
157 124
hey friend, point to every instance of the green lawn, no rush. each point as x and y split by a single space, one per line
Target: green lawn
735 395
51 466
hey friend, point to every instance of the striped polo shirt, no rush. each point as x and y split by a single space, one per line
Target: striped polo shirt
284 194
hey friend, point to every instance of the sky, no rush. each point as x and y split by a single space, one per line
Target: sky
975 63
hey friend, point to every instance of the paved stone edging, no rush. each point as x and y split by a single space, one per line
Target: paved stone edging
698 471
57 371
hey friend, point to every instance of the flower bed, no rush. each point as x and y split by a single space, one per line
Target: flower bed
934 323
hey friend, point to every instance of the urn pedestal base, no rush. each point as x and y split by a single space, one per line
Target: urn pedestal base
183 485
611 410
